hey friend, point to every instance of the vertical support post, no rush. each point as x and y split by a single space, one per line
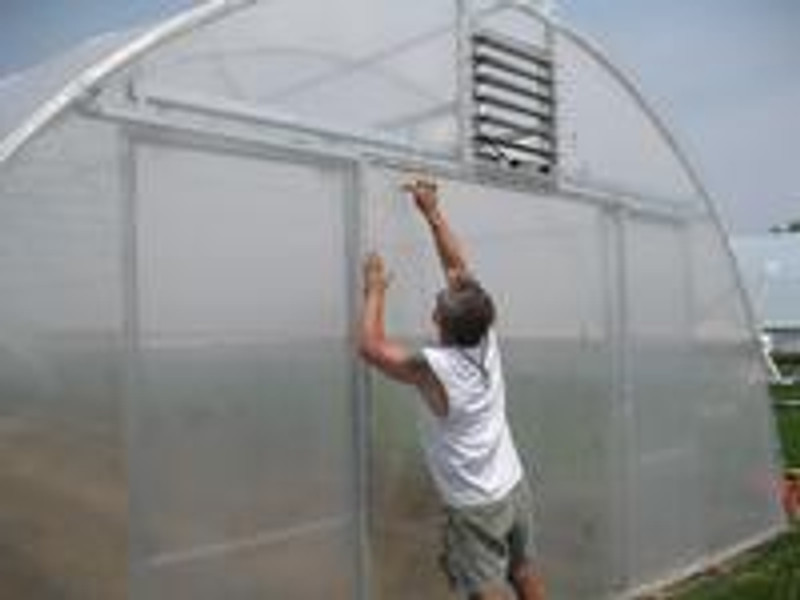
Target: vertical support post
694 352
131 339
619 335
465 93
355 198
685 229
691 358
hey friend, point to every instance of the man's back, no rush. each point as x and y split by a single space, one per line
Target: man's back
470 452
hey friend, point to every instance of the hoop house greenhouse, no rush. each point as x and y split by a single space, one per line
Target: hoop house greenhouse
182 216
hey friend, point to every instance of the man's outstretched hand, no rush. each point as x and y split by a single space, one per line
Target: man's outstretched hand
375 276
424 192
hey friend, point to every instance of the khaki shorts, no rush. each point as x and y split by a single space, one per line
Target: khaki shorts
482 543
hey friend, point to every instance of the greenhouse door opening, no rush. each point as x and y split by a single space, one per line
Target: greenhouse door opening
242 440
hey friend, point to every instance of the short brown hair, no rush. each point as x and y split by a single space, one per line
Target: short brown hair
465 312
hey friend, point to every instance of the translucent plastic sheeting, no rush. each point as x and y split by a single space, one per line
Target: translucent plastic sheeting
719 307
396 77
606 137
243 438
737 431
546 263
700 428
665 524
296 569
63 513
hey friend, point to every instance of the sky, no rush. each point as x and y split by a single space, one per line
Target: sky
32 30
724 74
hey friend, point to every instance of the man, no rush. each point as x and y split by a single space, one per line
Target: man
468 444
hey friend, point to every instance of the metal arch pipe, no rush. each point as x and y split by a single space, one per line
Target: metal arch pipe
91 77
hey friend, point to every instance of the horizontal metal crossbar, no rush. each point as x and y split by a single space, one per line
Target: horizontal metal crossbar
232 126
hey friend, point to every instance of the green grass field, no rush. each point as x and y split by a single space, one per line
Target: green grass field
773 571
770 573
789 429
787 400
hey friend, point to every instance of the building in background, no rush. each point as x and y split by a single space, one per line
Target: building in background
770 266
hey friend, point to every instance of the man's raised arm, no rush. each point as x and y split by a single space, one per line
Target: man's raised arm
386 354
451 255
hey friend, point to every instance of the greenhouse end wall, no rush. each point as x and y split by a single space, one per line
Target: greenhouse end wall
231 406
182 410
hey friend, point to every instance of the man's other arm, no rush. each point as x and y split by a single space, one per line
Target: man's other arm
390 357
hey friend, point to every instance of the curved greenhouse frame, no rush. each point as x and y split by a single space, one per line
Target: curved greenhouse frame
182 413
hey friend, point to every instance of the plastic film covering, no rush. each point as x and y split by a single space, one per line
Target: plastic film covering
546 262
665 523
701 453
739 451
242 464
396 77
63 513
606 137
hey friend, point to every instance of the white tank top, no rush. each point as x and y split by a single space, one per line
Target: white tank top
470 452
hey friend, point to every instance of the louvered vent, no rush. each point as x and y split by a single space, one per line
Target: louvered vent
514 103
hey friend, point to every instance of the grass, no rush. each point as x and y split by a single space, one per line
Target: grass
782 393
771 572
789 430
788 417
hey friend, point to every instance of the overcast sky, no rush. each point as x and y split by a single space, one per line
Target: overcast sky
724 73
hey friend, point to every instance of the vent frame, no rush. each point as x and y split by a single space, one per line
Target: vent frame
513 120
